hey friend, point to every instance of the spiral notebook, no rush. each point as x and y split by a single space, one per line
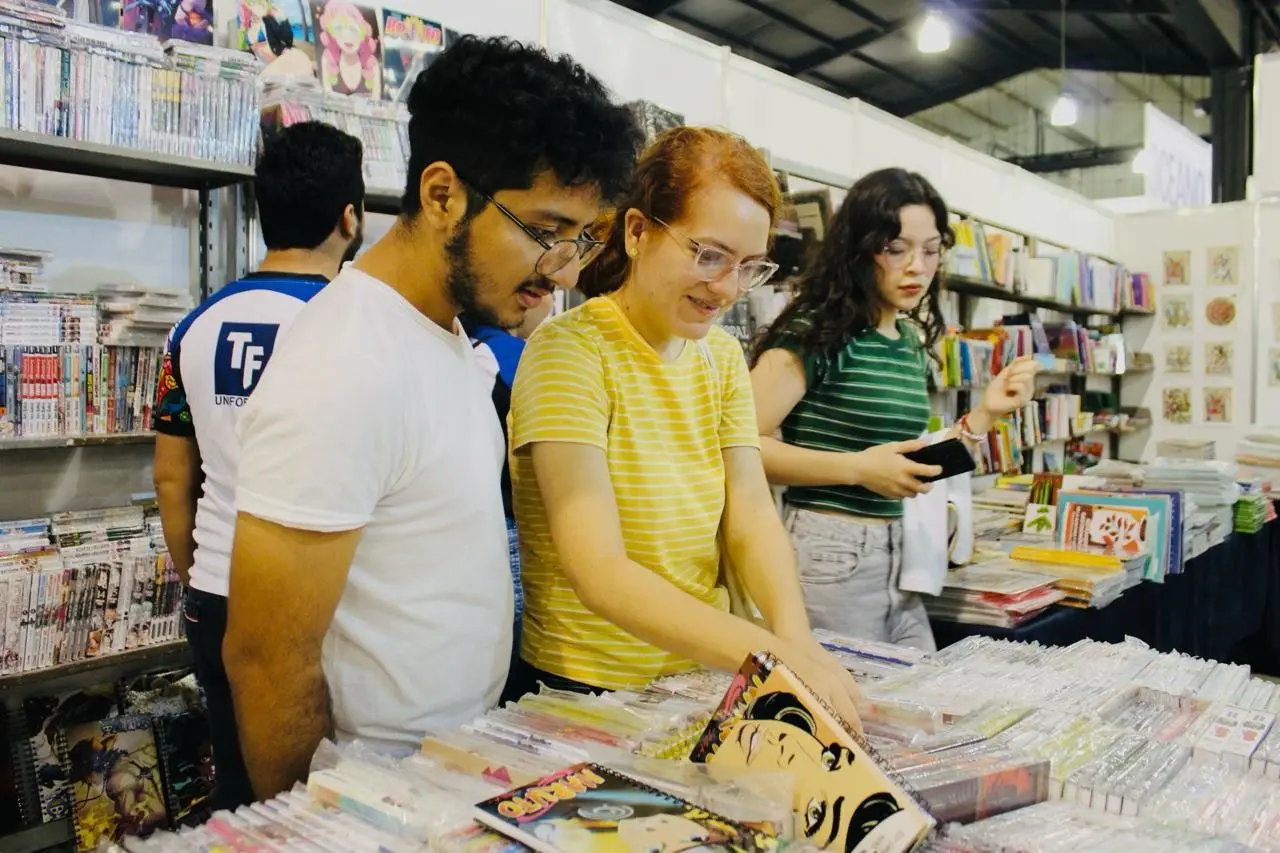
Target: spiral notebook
588 808
845 801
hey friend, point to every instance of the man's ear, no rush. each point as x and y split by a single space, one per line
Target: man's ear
349 225
443 196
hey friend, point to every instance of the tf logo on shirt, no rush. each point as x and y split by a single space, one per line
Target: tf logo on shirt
242 354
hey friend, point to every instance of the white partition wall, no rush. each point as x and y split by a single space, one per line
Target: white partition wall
1187 240
640 58
1266 125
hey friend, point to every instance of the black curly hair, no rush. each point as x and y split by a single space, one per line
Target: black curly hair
836 297
304 179
501 112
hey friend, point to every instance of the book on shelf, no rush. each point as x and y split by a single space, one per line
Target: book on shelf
846 800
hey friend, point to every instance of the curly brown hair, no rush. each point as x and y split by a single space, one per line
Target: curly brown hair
679 163
836 297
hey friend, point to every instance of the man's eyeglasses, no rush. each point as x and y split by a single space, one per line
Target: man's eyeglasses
712 264
556 254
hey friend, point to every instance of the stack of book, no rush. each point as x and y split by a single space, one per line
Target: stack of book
1254 509
982 594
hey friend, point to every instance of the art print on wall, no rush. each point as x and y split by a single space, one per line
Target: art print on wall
1224 266
348 48
1221 311
1177 312
1273 366
1218 358
1217 405
1177 405
1177 358
1177 267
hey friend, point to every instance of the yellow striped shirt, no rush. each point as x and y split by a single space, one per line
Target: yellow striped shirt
588 377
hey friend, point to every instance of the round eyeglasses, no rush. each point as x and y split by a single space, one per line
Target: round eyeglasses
711 263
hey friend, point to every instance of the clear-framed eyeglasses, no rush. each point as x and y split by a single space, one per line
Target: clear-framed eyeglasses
898 254
556 254
711 263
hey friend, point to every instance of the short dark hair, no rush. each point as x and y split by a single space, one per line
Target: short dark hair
500 112
305 177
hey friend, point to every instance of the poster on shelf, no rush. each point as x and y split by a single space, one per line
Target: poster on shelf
1217 405
348 48
1177 312
189 20
1218 358
1224 266
405 39
1221 311
1177 358
1177 405
1176 267
251 32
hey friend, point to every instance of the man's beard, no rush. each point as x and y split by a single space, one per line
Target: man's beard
354 247
463 283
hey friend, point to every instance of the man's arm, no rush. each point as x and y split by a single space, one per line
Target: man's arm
285 588
178 478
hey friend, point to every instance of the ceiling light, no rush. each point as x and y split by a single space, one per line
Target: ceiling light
1065 111
934 35
1141 162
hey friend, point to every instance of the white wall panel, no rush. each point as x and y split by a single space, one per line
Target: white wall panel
640 58
1266 125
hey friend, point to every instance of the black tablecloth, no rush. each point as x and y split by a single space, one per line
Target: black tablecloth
1224 606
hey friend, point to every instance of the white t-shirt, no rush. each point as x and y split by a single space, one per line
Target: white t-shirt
372 416
214 360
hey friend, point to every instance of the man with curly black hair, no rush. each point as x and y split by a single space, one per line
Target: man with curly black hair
370 594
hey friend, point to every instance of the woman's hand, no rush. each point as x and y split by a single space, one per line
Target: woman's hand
885 470
824 675
1009 390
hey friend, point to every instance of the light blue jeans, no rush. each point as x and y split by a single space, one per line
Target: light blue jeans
849 572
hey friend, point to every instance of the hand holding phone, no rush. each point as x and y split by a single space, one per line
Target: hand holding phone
889 470
951 457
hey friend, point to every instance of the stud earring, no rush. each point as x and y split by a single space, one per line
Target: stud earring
631 253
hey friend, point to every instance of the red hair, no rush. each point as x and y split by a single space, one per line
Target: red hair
679 163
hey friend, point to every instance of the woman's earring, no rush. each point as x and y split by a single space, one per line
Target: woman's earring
631 252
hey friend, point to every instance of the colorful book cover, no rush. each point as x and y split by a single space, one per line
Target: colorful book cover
115 780
186 759
845 801
588 808
1126 524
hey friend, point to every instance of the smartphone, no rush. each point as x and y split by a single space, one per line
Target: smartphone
952 455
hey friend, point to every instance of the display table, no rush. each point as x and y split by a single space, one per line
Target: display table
1225 606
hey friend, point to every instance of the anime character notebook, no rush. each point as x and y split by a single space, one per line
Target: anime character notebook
588 808
844 800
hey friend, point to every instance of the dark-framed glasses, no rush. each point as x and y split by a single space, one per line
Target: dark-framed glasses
711 263
556 254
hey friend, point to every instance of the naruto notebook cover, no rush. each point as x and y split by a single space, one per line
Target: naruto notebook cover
588 808
844 801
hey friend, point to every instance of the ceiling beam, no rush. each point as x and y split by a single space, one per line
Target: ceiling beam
1075 7
1068 133
1085 158
776 61
658 8
934 127
944 94
823 55
1194 23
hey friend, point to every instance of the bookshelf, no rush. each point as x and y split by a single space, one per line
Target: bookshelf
204 177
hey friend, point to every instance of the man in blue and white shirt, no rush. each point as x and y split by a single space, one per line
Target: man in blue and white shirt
309 187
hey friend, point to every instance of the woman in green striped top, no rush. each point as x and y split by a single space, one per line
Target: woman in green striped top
842 375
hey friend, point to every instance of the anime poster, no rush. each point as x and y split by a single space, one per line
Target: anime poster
348 48
251 32
115 780
187 20
405 39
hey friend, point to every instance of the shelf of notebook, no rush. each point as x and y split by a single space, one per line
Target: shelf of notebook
58 154
55 835
43 442
96 670
989 290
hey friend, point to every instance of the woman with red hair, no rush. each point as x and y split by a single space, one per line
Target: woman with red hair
635 456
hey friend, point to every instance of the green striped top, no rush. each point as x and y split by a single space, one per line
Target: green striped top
872 391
